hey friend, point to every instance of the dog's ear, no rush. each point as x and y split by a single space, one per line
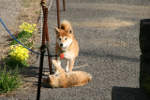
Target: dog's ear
70 31
57 30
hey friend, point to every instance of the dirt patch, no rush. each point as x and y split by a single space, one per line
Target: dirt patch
30 11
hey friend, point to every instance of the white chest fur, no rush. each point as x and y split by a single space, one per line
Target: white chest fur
68 55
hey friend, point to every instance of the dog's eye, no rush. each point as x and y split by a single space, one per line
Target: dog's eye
70 31
60 39
62 27
65 38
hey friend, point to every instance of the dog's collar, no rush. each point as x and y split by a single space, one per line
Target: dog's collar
63 50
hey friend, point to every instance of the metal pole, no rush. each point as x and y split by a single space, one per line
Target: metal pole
58 20
48 41
40 71
58 13
43 47
64 5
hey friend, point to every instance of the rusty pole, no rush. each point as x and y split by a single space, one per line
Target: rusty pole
43 47
48 41
64 5
45 9
58 13
58 21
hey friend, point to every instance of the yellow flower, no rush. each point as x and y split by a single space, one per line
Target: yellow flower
19 53
28 27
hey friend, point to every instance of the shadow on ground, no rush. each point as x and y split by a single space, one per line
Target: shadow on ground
107 55
126 93
30 71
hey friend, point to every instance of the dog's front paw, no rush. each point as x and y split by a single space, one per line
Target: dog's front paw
67 69
56 73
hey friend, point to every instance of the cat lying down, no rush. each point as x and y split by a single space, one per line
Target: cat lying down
66 79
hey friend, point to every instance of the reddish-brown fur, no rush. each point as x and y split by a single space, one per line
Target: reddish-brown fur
73 49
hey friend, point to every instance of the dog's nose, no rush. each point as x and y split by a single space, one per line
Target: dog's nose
61 45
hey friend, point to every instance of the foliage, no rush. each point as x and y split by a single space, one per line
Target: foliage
9 80
25 33
18 56
30 28
19 53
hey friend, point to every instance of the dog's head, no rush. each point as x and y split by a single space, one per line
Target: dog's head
64 35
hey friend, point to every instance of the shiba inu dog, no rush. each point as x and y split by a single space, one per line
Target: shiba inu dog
66 44
66 79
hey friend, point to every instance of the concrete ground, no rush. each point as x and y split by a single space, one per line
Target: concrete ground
108 35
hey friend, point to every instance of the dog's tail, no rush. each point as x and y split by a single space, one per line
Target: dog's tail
66 25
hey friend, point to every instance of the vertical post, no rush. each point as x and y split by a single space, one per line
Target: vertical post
48 41
58 13
42 52
144 40
58 20
64 5
40 71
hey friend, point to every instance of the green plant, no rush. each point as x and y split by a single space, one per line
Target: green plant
30 28
17 56
25 33
9 80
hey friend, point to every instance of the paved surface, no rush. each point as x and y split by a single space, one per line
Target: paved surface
107 31
8 12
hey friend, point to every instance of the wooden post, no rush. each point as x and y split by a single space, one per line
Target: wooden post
58 13
64 5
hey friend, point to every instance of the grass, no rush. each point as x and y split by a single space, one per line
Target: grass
9 80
